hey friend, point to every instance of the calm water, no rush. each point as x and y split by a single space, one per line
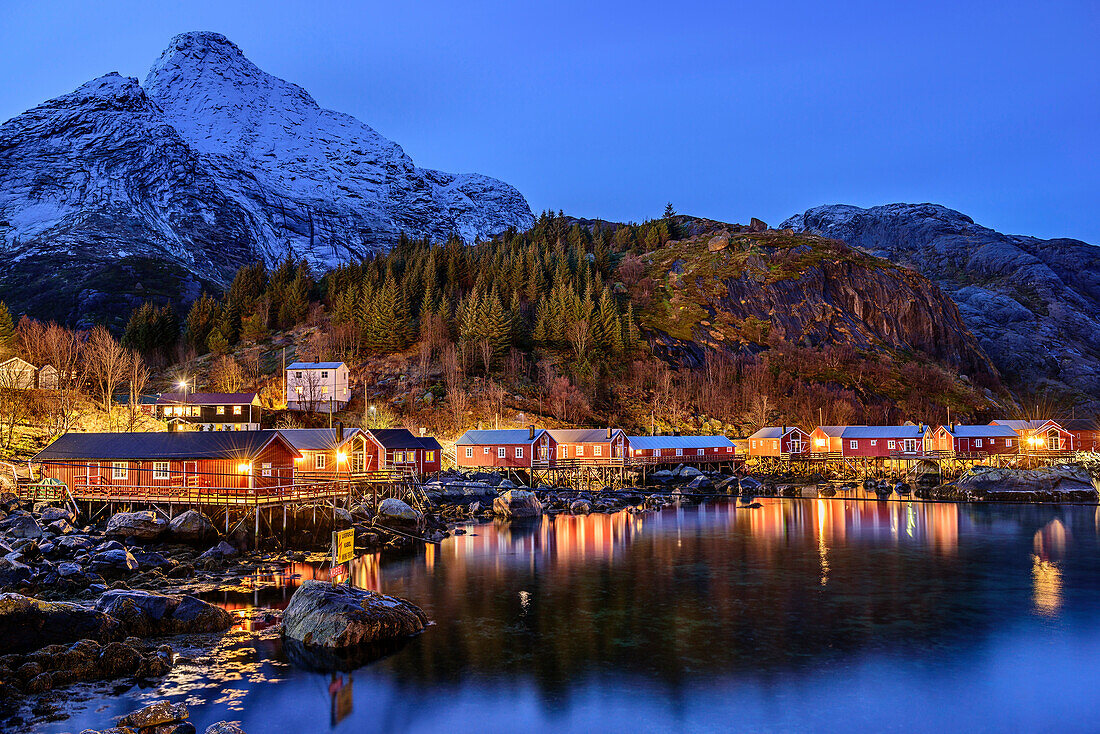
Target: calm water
801 616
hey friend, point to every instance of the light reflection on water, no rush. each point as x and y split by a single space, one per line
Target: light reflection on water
802 615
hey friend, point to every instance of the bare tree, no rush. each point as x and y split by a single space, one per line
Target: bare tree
580 334
107 362
485 351
494 393
64 349
137 378
226 375
15 406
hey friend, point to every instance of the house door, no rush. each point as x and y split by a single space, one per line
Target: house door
91 478
1054 441
910 445
796 445
191 473
617 448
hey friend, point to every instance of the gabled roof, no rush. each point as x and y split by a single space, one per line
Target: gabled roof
9 360
314 365
582 435
1018 425
208 398
832 431
960 431
647 443
402 438
775 431
317 439
498 436
883 432
175 445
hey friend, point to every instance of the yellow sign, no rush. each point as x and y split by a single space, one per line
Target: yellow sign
343 546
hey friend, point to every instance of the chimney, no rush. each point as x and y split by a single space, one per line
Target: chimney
339 432
609 433
531 432
423 432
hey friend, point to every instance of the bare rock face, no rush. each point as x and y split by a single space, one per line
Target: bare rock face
210 165
28 624
335 617
517 503
146 525
1034 305
147 614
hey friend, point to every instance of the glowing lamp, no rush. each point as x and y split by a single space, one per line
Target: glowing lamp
819 442
244 468
341 457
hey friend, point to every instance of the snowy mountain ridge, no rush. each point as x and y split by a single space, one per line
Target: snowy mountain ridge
212 163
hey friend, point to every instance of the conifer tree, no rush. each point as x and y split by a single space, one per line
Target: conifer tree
631 337
201 319
498 328
7 330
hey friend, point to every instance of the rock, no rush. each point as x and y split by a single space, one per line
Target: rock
393 513
580 507
66 570
50 514
517 503
23 526
689 471
159 713
224 727
29 624
191 527
119 659
343 518
700 483
323 615
221 550
718 243
750 485
60 527
147 614
756 225
118 561
146 525
1066 483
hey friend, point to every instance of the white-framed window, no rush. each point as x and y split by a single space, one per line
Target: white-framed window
160 470
889 444
120 470
580 451
563 452
729 449
754 443
297 375
502 453
1008 442
220 410
874 442
236 410
775 445
485 451
196 411
469 452
319 461
992 442
265 469
853 444
597 450
978 442
679 452
324 374
519 452
698 452
429 456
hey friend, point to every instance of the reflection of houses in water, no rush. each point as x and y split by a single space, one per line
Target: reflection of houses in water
1050 541
1046 579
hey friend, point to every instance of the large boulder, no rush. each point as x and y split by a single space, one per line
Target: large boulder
28 624
224 727
700 483
517 503
156 715
23 526
191 527
393 513
114 562
146 525
147 614
1063 483
335 617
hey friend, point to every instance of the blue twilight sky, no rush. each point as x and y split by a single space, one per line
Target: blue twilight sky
610 109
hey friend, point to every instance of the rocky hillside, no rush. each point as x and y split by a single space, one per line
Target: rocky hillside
119 191
729 287
1033 304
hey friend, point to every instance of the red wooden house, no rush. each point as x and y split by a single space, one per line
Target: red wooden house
327 452
1052 437
589 445
1085 433
827 440
973 440
882 441
154 463
399 448
679 449
505 448
776 441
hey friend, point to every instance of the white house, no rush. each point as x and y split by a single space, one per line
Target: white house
18 374
317 386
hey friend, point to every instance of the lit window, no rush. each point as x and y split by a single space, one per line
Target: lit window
429 456
221 410
729 449
120 470
160 470
853 444
319 461
992 442
775 444
324 389
502 452
598 450
469 452
196 411
298 389
265 470
889 444
563 452
236 410
399 457
754 443
874 442
519 452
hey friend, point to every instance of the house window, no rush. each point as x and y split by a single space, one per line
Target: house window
598 450
978 442
775 444
1008 442
120 470
502 453
698 452
679 452
324 389
992 442
429 456
469 452
729 449
399 457
298 389
236 410
889 444
265 469
324 374
519 452
160 470
220 410
754 444
853 444
874 442
297 375
580 451
319 461
196 411
485 451
563 452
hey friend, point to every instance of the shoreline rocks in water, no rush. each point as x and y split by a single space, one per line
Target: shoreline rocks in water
517 503
1061 483
28 624
164 717
147 614
322 615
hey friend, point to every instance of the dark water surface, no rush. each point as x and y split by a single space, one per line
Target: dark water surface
801 616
